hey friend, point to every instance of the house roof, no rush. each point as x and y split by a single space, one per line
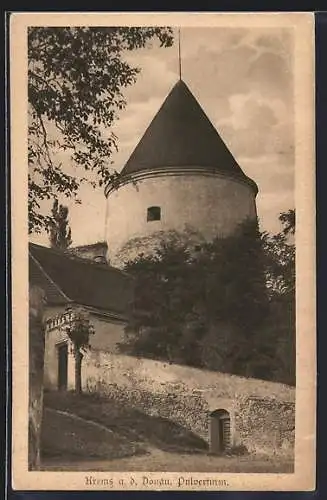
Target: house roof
181 135
90 251
89 246
67 278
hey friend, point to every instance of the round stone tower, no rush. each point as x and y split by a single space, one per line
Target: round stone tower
180 175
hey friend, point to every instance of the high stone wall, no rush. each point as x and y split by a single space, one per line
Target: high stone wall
266 424
262 413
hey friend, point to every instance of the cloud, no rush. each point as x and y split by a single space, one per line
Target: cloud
269 211
273 173
243 79
158 72
272 73
131 126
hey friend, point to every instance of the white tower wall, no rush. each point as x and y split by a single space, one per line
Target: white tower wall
207 202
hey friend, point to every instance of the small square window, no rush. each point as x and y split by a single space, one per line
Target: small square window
154 213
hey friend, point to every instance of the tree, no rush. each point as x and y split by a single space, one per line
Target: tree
288 221
279 251
163 292
60 232
78 331
226 305
202 305
76 78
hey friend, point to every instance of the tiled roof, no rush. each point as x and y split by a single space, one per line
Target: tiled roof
89 246
90 251
67 278
182 135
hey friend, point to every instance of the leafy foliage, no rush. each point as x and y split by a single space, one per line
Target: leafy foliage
60 232
288 221
76 78
280 256
280 278
201 305
214 305
78 330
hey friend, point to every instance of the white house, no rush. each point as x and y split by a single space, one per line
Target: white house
103 291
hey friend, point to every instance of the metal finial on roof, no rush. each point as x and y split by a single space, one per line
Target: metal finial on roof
179 54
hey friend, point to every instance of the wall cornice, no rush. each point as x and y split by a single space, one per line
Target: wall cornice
178 171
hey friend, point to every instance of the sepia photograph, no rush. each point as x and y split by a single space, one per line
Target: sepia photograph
163 251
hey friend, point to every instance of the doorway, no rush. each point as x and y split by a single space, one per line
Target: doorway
220 431
62 366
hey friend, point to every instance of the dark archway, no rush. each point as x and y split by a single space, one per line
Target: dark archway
220 431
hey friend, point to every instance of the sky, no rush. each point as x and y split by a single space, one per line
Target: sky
243 80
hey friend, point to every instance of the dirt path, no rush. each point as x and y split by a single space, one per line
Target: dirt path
158 460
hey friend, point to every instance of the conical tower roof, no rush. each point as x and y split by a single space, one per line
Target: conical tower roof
181 135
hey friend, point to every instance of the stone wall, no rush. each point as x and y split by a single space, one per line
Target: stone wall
266 425
262 413
90 252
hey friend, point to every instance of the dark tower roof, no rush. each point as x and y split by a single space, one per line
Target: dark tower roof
181 135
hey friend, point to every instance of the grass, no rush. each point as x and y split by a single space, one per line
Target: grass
64 437
129 440
131 430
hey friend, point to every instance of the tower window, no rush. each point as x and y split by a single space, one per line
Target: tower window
154 213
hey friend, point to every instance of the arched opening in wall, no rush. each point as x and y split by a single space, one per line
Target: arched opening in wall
100 259
153 213
220 431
